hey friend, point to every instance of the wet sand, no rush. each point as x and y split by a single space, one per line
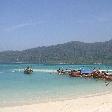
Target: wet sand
96 103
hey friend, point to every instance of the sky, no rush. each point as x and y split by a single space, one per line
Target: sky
33 23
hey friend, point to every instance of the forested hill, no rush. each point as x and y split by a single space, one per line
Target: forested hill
72 52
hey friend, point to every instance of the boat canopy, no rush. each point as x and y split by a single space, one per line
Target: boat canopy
86 71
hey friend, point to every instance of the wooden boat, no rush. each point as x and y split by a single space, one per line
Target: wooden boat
63 72
75 73
108 77
28 70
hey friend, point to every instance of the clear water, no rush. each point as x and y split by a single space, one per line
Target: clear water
45 84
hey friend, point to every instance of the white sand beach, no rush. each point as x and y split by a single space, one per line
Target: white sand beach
97 103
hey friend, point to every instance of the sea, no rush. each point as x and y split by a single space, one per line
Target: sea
45 84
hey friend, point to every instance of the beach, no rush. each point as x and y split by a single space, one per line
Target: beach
94 103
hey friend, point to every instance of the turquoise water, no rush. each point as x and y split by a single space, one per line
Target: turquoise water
45 84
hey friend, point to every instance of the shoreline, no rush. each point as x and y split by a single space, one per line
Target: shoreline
55 99
90 103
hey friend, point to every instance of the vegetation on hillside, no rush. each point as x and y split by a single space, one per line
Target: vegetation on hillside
72 52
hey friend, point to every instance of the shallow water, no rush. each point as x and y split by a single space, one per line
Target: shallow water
45 84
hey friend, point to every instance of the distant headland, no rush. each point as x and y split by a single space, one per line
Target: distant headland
73 52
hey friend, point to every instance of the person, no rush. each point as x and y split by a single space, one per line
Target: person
28 68
59 71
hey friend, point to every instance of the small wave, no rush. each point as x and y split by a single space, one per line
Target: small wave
18 70
106 70
53 71
36 70
13 71
44 70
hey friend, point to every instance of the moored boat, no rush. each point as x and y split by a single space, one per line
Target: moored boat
28 70
75 73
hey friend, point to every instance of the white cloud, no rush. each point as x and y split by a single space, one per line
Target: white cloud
22 25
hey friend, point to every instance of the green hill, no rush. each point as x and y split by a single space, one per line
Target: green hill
74 52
